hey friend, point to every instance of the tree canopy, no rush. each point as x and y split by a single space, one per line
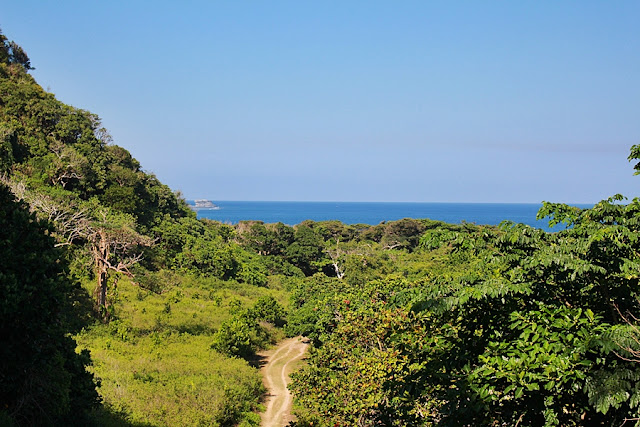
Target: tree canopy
511 326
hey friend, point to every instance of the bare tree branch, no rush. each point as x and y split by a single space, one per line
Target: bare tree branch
335 257
634 336
115 244
71 224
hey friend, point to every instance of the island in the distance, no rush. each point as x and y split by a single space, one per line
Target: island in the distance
203 204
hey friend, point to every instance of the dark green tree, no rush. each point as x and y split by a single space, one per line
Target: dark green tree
17 55
12 53
42 379
307 250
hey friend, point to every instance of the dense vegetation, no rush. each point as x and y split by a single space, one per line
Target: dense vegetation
120 307
101 256
507 327
42 376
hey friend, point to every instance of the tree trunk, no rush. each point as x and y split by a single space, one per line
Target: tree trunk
339 272
101 254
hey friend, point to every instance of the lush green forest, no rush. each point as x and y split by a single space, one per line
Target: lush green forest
120 307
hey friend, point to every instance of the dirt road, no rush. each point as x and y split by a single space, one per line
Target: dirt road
281 361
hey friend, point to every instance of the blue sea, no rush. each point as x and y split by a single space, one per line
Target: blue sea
373 213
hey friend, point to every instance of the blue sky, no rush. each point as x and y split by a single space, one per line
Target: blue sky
426 101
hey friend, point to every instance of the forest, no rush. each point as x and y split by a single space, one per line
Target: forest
120 307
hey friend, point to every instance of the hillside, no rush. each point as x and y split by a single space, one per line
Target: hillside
120 307
117 236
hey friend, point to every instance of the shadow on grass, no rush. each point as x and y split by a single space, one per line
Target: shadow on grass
256 361
104 416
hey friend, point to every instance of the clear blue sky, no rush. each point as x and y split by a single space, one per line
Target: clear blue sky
434 101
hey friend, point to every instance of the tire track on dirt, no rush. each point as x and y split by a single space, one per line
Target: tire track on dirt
276 377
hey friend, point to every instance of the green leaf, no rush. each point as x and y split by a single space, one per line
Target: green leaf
519 392
589 314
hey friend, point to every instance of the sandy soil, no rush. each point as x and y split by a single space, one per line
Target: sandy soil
280 362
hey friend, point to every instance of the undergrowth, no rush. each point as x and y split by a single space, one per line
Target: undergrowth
156 361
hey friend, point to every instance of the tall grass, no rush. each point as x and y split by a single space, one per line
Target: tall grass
156 363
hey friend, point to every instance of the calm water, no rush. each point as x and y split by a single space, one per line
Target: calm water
292 213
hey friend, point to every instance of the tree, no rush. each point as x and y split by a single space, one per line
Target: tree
4 49
12 53
404 233
116 247
42 379
336 255
113 240
307 250
70 221
18 56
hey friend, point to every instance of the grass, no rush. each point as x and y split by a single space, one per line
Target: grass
155 361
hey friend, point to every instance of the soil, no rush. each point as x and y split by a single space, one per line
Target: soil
280 362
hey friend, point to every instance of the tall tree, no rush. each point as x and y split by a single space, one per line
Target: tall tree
116 247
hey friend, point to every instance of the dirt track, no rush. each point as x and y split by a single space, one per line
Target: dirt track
281 361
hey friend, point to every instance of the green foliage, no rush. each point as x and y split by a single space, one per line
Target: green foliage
268 309
365 372
509 326
12 53
356 253
306 251
611 388
170 378
51 144
154 357
635 155
252 271
308 298
238 337
269 239
197 246
404 233
43 380
543 368
244 333
414 322
156 364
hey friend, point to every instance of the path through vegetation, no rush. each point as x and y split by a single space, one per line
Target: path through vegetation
280 362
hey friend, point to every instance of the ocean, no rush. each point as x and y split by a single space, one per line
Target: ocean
373 213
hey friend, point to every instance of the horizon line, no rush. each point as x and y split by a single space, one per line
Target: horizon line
213 200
